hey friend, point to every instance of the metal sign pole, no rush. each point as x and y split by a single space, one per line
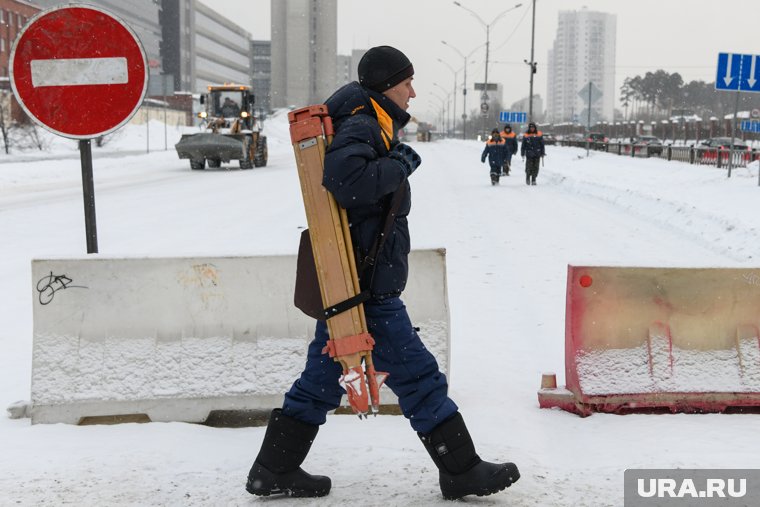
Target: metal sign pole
163 85
91 230
147 128
733 135
588 124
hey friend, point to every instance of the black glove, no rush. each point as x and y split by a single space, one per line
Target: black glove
406 156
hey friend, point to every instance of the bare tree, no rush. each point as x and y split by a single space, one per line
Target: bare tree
101 141
30 136
5 119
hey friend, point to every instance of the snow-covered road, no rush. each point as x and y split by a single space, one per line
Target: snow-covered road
508 248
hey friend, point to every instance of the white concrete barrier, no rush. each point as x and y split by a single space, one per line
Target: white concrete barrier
177 338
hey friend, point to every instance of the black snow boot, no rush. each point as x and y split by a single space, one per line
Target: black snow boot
277 468
527 178
494 178
461 472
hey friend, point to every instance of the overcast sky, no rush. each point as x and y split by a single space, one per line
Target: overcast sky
682 36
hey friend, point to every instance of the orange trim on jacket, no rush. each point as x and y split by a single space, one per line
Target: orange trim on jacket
386 123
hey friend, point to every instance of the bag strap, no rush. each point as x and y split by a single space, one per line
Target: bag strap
371 258
390 220
346 304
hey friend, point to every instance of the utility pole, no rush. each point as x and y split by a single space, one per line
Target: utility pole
484 95
532 62
464 101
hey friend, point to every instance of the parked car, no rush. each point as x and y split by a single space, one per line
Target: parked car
723 143
597 140
714 145
652 143
549 138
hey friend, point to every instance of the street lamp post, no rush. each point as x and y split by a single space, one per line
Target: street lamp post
443 109
464 86
454 92
436 106
488 42
448 116
532 64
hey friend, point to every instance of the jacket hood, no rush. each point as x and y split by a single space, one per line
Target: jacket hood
353 99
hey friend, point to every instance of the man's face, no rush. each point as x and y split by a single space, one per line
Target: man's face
401 93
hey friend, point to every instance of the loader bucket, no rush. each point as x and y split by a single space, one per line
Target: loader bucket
202 146
659 340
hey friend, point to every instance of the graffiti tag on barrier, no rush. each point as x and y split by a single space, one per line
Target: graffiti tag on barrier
48 285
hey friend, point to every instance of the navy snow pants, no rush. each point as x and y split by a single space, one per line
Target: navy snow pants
421 388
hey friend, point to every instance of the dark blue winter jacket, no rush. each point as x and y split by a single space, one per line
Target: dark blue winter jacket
361 176
533 145
495 151
510 142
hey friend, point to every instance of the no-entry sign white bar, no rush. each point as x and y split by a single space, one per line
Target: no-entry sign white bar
79 71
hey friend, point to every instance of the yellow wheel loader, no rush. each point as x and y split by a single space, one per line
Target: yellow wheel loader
229 131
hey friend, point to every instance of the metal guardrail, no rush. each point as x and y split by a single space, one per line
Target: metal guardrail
689 154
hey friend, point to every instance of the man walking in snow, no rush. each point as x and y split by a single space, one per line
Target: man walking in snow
533 149
510 147
495 151
364 168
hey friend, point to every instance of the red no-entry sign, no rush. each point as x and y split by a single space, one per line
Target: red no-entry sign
78 71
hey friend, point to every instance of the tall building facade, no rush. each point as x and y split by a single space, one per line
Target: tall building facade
524 105
222 50
343 75
14 14
583 52
202 47
356 57
304 51
261 67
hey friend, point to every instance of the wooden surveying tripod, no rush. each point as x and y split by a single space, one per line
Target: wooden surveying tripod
350 343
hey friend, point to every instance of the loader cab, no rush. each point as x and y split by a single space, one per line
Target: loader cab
226 104
230 102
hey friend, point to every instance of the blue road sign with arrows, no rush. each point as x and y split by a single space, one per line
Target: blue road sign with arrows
738 72
512 117
750 126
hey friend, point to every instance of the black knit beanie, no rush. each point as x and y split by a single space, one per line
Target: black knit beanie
384 67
